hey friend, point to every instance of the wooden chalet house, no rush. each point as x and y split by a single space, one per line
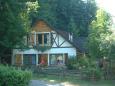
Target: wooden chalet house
46 46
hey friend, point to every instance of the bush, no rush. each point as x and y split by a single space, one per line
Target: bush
71 63
9 76
83 62
89 68
93 73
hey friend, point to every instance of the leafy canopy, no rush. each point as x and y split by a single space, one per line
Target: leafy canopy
69 15
14 23
100 35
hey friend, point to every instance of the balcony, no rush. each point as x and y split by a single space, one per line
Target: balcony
42 39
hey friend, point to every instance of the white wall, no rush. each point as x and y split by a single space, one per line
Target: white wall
70 51
61 40
65 48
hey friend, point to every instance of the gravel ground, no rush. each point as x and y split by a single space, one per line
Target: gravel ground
43 83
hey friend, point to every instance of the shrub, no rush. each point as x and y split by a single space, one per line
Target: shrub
71 63
83 62
9 76
89 68
93 73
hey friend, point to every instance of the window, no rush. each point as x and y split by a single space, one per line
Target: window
43 39
46 36
40 38
56 59
30 39
29 59
18 59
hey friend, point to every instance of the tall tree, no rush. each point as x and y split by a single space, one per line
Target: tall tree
99 32
59 14
13 25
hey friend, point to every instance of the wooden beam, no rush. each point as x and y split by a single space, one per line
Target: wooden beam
54 40
58 41
62 43
34 38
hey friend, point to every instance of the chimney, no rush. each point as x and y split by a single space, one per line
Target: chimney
71 37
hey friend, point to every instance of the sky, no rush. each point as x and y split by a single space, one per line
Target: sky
109 6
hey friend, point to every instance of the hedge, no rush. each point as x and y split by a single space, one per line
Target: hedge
9 76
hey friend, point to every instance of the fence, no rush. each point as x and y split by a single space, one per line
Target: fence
63 72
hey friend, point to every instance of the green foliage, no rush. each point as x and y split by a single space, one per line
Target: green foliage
12 29
59 13
83 62
93 73
71 63
89 68
98 35
42 48
14 23
12 77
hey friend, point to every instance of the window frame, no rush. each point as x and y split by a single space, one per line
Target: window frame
43 38
28 60
56 59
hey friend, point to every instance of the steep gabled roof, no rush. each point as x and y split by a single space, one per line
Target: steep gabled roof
78 42
81 43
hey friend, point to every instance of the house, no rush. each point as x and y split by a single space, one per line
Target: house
46 46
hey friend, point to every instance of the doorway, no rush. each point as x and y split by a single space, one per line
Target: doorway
43 59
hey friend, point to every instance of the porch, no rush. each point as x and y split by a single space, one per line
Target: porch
40 59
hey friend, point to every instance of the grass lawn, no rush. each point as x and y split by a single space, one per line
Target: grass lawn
71 81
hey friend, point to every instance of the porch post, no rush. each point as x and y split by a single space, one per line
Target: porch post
36 59
63 58
13 58
48 60
22 58
50 39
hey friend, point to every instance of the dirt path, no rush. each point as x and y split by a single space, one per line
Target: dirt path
42 83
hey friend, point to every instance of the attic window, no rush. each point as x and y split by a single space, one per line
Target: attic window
43 39
40 38
46 37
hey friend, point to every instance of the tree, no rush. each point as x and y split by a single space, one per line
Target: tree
99 33
59 14
14 24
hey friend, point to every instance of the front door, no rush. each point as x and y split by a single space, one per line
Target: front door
43 59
